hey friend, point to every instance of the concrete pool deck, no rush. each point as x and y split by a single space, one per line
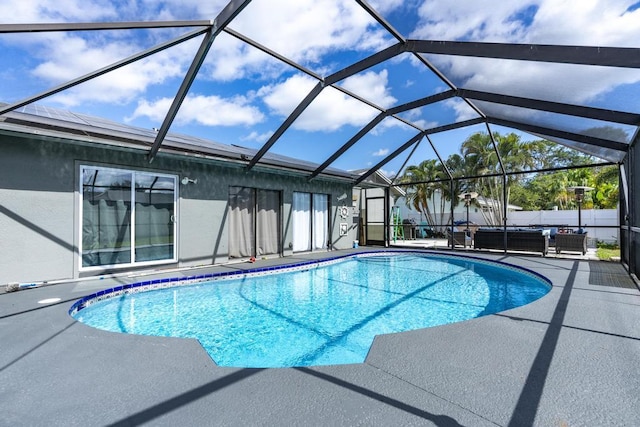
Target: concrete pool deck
568 359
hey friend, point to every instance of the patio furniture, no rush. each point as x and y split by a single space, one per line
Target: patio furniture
410 228
517 240
460 238
424 230
571 242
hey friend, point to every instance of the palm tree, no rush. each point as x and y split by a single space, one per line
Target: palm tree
458 167
479 152
421 195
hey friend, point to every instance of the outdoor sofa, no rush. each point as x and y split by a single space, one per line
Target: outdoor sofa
517 240
571 242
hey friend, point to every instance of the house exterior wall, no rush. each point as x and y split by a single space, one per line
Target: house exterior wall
40 199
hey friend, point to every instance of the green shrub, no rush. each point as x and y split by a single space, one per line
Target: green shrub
605 245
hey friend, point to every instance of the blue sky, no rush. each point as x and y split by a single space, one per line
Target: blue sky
241 96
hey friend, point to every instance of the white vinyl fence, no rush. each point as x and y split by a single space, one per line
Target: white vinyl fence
590 217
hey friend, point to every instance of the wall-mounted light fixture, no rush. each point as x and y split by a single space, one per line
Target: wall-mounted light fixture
187 180
342 197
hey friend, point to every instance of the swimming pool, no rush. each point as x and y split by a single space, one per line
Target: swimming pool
318 314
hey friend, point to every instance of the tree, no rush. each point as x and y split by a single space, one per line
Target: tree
535 191
546 190
422 195
512 154
606 193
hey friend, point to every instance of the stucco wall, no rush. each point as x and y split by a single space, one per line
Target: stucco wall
39 199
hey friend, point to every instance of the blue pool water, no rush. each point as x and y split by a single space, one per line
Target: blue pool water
325 315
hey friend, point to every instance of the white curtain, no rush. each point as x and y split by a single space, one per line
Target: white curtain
320 221
301 219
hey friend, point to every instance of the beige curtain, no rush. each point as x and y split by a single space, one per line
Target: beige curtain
268 222
241 222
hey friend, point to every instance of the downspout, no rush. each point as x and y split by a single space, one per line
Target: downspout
453 243
387 217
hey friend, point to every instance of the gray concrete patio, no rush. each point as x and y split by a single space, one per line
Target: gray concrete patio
568 359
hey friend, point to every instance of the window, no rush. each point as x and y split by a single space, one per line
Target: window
127 217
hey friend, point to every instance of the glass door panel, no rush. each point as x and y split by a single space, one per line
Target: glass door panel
106 217
154 217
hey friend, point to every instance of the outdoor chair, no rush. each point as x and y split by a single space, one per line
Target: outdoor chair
571 242
459 238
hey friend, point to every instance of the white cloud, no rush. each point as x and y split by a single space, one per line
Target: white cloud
388 173
469 19
33 11
36 11
594 22
462 109
205 110
372 85
304 31
331 110
385 6
381 152
61 57
71 57
258 137
591 23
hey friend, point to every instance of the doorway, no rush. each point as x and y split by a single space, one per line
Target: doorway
254 222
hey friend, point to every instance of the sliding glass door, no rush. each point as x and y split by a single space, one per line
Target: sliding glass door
127 217
310 219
